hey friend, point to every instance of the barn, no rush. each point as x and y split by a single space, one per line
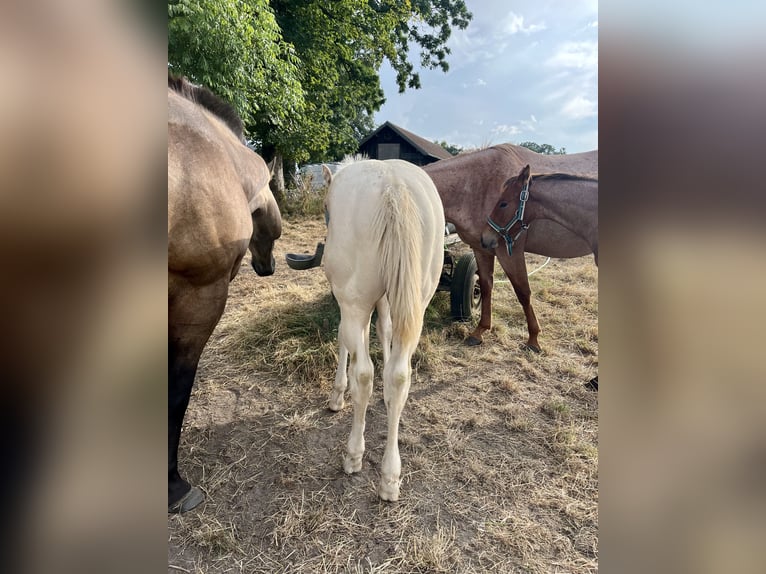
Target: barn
390 141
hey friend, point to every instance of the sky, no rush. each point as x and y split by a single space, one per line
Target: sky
523 70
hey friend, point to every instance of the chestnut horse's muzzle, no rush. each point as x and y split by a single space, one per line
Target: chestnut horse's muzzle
488 240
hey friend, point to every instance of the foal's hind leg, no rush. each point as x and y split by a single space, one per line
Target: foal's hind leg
396 387
384 328
341 380
351 332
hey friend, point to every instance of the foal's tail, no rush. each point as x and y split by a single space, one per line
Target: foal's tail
399 227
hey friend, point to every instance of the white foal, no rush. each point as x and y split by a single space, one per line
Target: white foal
384 249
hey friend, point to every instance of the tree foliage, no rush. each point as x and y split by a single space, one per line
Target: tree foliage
545 149
235 48
304 73
453 149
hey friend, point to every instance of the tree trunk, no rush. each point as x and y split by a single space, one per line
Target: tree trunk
278 179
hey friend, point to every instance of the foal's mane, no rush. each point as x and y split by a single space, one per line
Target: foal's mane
204 97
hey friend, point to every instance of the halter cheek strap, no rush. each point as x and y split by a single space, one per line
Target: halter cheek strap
518 217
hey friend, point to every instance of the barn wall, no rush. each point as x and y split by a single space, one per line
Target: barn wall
406 150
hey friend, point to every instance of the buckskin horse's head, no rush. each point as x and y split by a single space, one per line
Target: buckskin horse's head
267 228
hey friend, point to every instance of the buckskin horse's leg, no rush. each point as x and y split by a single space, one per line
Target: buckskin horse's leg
515 268
485 262
192 315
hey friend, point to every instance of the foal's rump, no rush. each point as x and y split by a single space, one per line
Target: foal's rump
384 237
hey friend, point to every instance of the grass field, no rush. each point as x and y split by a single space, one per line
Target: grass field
499 445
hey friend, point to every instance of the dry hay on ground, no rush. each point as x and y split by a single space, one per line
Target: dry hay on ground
499 446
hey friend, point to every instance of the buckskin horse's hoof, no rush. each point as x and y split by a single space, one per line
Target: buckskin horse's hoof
472 341
592 385
188 501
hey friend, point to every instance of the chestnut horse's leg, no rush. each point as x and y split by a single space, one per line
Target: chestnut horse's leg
515 267
485 262
193 313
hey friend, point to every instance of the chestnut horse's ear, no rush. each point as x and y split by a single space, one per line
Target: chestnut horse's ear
327 175
524 175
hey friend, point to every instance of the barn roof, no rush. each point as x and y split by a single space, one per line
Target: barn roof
424 146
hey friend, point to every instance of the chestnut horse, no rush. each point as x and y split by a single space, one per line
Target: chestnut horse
560 208
469 185
219 203
385 249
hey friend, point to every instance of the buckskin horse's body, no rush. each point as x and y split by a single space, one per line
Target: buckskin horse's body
219 203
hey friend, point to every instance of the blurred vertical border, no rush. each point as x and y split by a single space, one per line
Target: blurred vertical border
82 286
682 270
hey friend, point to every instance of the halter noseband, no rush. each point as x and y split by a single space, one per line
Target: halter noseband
518 217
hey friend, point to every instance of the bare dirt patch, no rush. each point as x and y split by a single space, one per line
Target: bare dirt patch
499 445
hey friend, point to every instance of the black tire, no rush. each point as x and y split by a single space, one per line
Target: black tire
465 295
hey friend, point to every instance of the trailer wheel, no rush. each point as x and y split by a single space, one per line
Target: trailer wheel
465 294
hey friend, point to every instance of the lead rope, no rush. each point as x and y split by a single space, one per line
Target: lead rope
538 269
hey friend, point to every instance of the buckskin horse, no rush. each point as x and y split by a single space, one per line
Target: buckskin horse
384 250
469 185
555 215
219 204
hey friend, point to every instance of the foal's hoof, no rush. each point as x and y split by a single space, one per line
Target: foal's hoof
190 500
389 490
472 341
592 385
336 404
528 347
352 464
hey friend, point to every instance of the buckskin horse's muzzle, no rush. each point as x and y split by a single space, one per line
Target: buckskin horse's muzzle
265 270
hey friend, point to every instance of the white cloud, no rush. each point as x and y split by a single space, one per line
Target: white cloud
580 107
520 127
514 24
506 129
580 55
511 78
478 83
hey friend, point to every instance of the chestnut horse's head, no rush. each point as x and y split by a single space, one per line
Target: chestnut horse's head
507 218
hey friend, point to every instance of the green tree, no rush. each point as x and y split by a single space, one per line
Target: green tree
453 149
304 73
235 48
545 149
342 45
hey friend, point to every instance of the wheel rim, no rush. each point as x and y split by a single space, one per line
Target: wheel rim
475 295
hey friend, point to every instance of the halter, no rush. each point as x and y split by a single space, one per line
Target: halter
519 216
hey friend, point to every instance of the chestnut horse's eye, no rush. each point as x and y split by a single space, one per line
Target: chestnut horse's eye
503 204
